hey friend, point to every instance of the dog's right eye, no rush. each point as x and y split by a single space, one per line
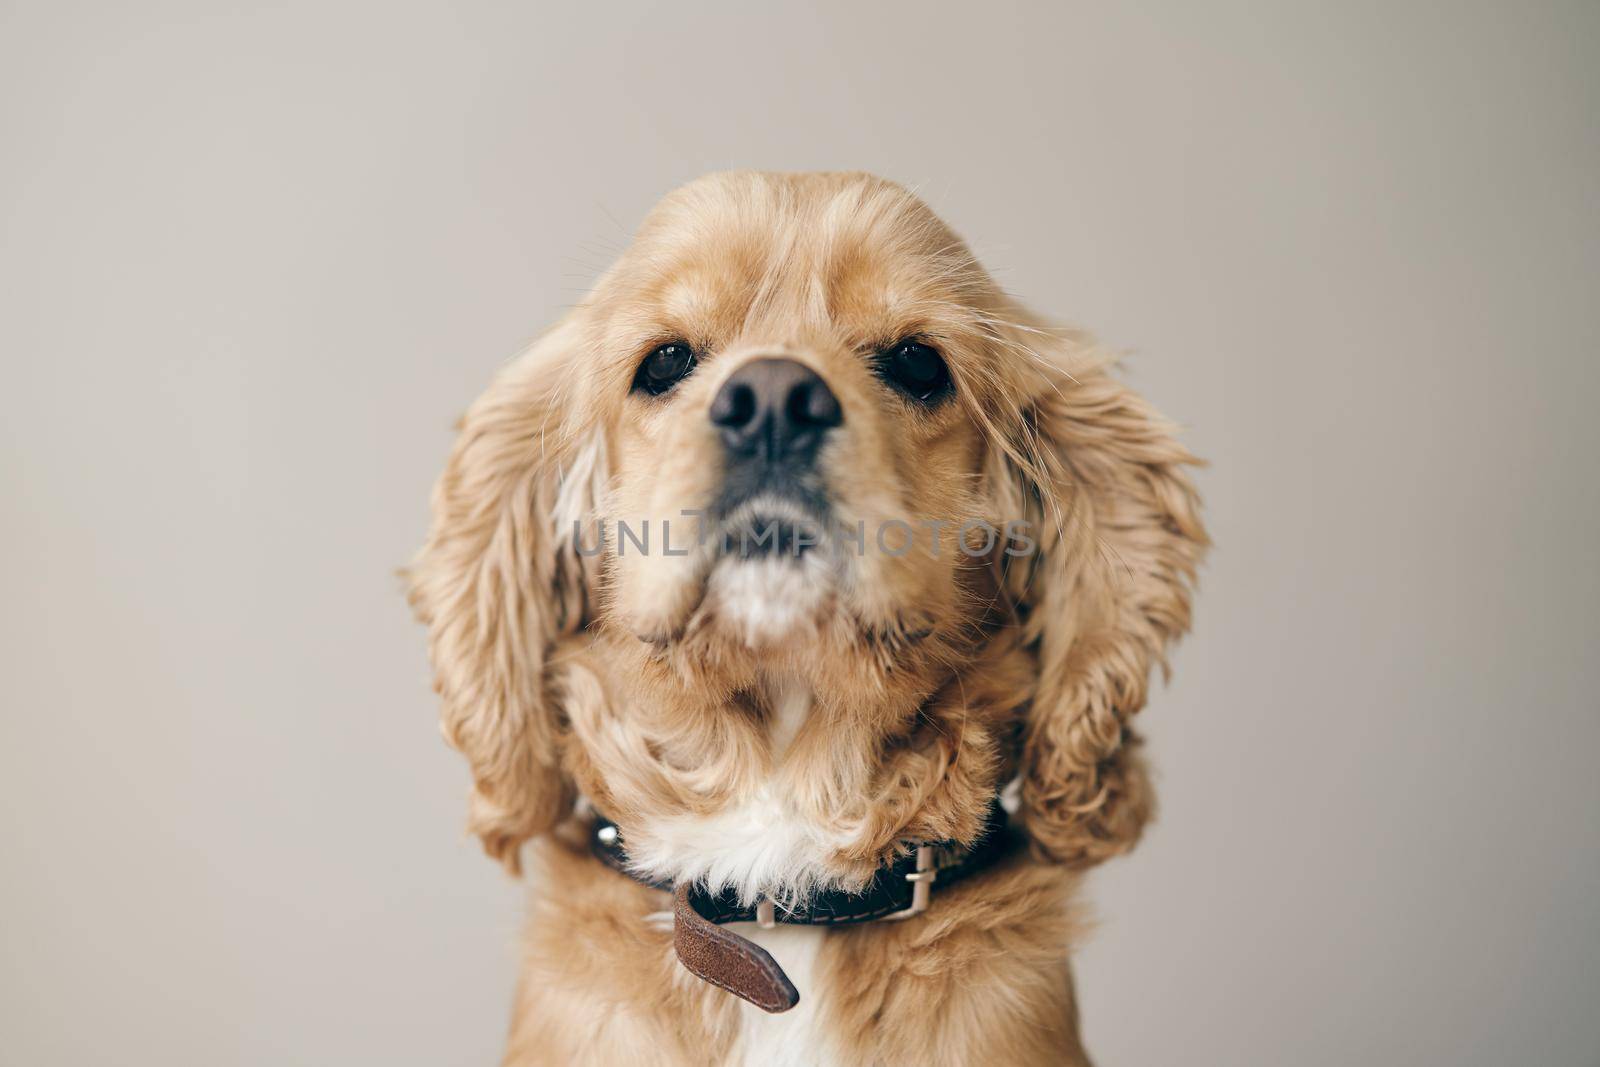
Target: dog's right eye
918 369
664 368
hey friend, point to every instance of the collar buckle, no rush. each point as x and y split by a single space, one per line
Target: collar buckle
921 880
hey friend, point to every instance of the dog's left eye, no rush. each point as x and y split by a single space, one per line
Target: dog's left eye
664 368
918 369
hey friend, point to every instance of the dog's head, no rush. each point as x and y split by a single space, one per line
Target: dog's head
796 432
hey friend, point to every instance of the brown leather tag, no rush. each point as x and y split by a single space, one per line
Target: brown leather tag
727 960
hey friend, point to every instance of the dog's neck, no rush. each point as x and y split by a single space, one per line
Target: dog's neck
761 844
788 704
810 770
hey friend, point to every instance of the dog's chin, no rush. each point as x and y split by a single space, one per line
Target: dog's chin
770 601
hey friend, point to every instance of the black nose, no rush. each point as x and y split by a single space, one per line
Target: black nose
775 408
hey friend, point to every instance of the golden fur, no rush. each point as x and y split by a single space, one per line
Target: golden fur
770 734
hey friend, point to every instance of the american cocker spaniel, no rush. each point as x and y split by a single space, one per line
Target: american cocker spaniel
790 599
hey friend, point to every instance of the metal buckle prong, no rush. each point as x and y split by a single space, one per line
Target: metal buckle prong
921 881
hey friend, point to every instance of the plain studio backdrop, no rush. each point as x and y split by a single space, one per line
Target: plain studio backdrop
255 262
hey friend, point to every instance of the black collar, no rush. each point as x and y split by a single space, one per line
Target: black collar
893 889
899 891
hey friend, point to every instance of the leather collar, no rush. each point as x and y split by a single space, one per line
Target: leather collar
898 891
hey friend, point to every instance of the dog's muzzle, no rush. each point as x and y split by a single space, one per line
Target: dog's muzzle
772 416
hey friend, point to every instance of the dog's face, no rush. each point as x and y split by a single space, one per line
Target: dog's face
797 449
789 377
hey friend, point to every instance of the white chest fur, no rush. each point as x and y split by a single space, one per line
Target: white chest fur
760 844
793 1038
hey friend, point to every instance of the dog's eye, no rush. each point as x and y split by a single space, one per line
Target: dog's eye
664 368
916 368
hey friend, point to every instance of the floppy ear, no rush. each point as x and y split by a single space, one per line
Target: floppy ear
1101 480
499 581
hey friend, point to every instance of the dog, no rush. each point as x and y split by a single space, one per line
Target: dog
790 599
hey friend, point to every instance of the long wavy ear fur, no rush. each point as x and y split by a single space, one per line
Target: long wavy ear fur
1102 479
498 582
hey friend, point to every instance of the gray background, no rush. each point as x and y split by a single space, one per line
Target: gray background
255 262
